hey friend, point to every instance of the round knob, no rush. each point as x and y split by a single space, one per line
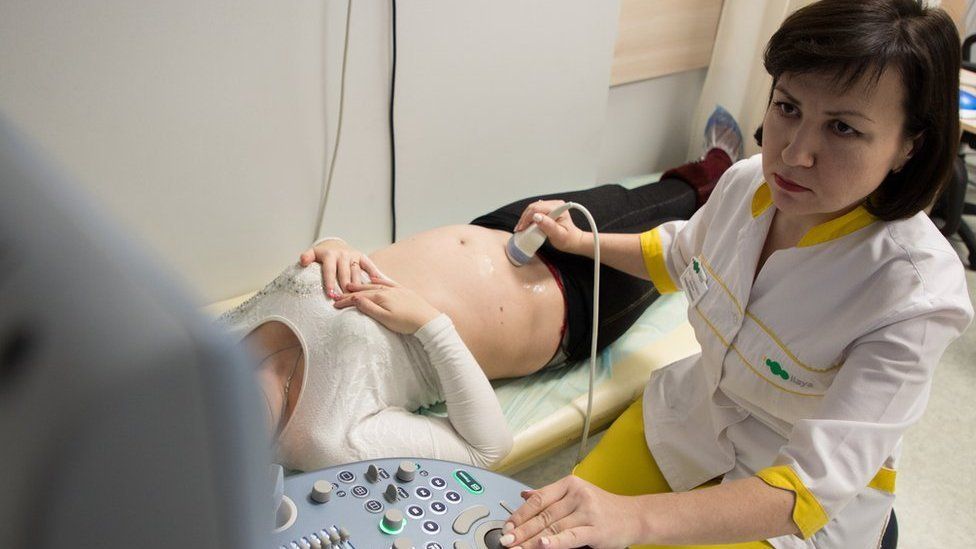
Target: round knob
321 491
402 543
406 471
393 521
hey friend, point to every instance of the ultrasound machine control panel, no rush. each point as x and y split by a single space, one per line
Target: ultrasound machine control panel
403 503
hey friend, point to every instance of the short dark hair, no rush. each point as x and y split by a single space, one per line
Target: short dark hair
849 39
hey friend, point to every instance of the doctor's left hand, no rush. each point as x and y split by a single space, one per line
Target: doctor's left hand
390 304
573 513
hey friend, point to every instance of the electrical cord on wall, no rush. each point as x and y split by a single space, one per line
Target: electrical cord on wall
393 212
335 146
328 187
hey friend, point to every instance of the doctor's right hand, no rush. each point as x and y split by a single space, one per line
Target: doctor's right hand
342 265
563 234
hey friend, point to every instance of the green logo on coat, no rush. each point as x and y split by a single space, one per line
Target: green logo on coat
694 265
777 369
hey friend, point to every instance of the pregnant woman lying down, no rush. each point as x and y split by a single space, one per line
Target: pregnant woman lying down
349 349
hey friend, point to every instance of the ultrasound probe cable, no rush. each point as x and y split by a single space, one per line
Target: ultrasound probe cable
522 246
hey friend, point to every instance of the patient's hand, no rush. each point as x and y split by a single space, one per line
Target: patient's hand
390 304
341 265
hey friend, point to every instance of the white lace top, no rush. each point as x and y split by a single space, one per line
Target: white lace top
362 383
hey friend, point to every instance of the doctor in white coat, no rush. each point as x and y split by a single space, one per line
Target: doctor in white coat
822 296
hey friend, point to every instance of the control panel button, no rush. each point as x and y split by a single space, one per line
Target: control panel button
344 534
359 491
392 522
346 476
470 483
438 482
406 471
422 493
464 521
402 543
431 527
373 506
304 544
460 544
433 545
452 496
438 507
321 491
415 511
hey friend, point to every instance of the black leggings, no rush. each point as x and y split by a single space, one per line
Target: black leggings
615 209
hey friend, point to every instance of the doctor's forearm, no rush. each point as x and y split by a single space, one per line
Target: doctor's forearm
737 511
620 251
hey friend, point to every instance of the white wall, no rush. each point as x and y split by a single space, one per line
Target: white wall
648 125
204 126
198 124
496 100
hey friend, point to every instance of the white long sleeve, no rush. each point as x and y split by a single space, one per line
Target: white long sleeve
472 406
475 431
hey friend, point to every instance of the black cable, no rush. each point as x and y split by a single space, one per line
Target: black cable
392 131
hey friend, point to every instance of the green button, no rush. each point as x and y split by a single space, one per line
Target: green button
389 531
469 482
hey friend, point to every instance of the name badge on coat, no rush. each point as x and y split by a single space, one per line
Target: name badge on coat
695 281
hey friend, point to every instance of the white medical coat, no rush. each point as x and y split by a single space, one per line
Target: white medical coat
809 375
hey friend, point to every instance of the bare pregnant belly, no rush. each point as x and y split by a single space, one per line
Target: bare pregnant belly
508 316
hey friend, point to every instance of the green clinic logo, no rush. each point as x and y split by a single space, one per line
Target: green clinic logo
695 266
777 370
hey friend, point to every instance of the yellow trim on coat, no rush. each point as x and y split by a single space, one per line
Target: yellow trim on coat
759 323
884 480
746 362
762 200
844 225
722 284
808 515
782 346
652 252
